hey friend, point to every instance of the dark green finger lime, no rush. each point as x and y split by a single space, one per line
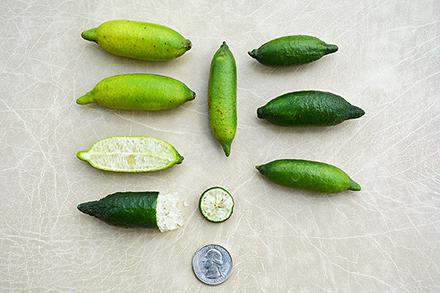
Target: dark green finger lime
125 209
292 50
308 108
308 175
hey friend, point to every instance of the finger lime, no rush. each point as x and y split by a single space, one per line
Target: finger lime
292 50
308 108
138 40
222 95
138 92
308 175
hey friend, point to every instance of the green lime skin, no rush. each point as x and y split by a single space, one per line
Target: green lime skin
222 97
308 175
124 209
138 92
292 50
308 108
138 40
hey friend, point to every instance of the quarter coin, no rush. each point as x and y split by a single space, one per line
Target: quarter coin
212 264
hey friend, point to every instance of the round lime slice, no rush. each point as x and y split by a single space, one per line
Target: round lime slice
216 204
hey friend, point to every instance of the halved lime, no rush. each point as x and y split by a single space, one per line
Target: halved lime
131 154
216 204
139 209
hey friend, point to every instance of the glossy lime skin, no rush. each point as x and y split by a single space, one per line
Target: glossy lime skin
308 108
292 50
308 175
222 97
124 209
139 92
138 40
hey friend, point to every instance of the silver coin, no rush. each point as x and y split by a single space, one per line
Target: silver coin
212 264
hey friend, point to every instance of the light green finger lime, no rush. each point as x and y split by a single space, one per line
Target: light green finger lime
138 40
222 96
150 92
131 154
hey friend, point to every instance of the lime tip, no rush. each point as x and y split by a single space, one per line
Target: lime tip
86 99
331 48
260 112
82 155
355 112
354 186
87 208
253 53
227 149
193 95
81 207
179 159
224 45
89 35
188 44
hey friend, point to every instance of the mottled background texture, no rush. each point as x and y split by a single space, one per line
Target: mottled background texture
385 238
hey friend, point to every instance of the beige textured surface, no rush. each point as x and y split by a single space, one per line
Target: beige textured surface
385 238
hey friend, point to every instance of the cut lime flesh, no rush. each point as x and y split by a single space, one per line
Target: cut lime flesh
216 204
131 154
168 215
